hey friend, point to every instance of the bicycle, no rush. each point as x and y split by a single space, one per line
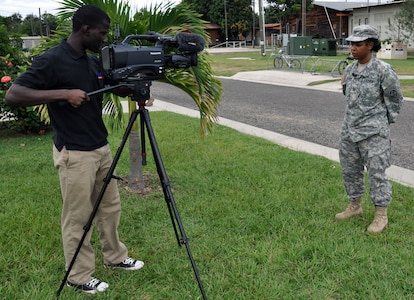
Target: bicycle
292 63
344 63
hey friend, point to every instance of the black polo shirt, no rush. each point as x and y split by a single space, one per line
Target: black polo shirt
62 67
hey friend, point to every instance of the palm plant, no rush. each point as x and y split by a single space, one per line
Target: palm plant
164 18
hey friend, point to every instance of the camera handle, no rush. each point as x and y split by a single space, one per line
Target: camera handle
166 187
106 89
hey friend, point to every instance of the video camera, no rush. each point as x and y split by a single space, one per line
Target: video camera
125 62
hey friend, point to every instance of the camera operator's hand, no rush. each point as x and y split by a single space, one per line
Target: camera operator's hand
76 98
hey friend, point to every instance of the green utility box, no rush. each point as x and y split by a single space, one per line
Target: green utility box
325 47
316 46
300 45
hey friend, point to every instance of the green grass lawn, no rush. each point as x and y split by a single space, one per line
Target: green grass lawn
260 219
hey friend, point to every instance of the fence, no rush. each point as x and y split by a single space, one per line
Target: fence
312 64
231 44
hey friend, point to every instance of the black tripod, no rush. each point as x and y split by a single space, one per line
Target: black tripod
140 94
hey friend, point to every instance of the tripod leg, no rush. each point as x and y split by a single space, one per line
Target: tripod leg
143 151
175 216
109 176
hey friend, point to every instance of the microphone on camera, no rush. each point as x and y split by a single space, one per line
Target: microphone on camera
190 42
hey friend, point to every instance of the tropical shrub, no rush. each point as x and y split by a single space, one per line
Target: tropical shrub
20 119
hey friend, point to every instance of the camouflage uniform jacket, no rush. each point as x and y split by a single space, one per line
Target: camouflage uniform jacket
374 100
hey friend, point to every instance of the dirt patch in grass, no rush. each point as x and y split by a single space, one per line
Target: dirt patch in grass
151 184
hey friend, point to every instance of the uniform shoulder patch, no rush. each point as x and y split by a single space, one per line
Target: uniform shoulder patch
393 93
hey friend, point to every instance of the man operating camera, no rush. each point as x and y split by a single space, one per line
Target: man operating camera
61 78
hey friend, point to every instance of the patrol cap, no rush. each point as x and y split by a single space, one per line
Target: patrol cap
362 33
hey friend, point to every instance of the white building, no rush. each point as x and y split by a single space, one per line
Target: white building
30 42
378 15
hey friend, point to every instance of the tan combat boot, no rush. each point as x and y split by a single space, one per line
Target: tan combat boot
380 220
353 209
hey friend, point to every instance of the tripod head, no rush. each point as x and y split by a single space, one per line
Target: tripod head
140 91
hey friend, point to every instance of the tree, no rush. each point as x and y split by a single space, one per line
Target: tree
238 14
164 18
12 23
401 28
279 11
5 45
49 23
32 25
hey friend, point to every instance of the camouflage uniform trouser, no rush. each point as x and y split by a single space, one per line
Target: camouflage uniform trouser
375 154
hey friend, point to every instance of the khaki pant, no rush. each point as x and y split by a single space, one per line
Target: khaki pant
81 175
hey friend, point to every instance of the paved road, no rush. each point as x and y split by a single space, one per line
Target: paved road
310 115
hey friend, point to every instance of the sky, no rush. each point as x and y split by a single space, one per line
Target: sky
27 7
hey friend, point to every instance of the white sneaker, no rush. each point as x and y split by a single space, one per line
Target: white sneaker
129 264
93 286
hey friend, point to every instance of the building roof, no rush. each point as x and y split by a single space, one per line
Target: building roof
211 26
340 5
350 5
275 26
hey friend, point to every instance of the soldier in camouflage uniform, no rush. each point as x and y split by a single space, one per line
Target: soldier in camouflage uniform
374 100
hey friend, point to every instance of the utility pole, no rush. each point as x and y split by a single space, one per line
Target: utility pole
303 17
40 23
262 28
32 24
254 25
225 22
47 27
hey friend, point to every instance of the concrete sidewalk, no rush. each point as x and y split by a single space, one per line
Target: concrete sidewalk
292 79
